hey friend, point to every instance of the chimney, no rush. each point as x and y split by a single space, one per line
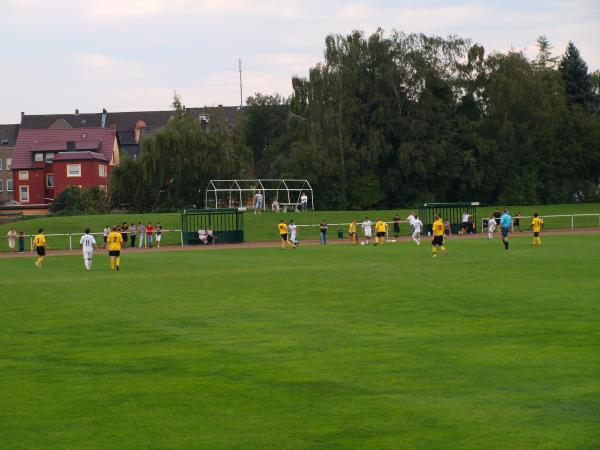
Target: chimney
103 121
76 112
22 114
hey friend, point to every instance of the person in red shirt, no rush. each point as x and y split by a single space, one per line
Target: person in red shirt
149 234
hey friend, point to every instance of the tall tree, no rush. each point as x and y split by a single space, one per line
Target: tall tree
578 84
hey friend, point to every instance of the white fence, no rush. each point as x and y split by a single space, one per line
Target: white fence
70 241
571 221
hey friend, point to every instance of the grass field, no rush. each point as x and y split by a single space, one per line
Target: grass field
322 347
261 227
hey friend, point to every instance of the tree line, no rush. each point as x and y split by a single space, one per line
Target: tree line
394 120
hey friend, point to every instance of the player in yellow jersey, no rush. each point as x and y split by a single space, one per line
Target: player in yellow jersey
438 236
537 224
115 242
380 229
39 242
352 232
283 234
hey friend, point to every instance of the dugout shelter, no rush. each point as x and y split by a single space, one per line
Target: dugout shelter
237 193
227 225
448 211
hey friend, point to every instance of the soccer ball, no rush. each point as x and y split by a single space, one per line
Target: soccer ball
362 243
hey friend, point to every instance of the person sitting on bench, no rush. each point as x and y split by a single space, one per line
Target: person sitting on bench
210 236
203 236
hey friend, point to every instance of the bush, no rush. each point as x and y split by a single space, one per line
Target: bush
75 200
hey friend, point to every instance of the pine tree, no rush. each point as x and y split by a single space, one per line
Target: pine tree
578 84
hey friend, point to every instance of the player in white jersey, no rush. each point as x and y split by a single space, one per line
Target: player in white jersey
417 226
88 244
366 227
411 219
491 226
293 230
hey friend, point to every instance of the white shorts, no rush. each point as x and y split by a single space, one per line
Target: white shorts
158 236
11 243
367 234
416 233
88 254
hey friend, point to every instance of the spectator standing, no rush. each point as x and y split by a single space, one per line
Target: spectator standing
133 231
396 226
12 239
323 232
275 206
125 233
497 215
105 234
303 202
158 234
141 230
447 228
21 241
258 202
149 234
517 221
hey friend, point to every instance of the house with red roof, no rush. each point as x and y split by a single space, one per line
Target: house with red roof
46 161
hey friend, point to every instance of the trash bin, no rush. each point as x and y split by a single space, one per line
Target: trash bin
340 234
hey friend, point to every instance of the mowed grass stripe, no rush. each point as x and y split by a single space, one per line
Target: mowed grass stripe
337 347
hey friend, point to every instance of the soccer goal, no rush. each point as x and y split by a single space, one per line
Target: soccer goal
241 193
452 212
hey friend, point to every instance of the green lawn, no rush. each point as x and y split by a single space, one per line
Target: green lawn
322 347
261 227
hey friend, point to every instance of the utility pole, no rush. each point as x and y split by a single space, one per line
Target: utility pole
241 89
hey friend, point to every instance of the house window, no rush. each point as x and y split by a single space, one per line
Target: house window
23 175
102 170
1 184
24 194
9 185
8 163
50 180
49 157
38 157
73 170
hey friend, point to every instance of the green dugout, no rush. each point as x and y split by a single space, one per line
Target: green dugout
449 211
227 225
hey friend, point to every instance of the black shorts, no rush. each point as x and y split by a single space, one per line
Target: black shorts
437 240
396 228
504 232
284 236
352 234
517 222
465 224
114 253
41 251
536 234
380 234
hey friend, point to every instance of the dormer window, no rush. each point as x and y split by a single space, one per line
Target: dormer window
38 157
49 157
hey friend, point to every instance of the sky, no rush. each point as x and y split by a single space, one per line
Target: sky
128 55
